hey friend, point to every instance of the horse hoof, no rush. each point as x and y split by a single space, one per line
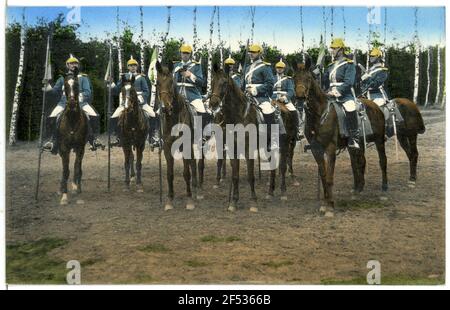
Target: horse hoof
80 202
231 208
126 189
139 188
190 206
74 188
168 206
64 200
269 197
296 183
215 186
412 184
329 214
283 198
132 179
322 209
383 198
200 197
253 209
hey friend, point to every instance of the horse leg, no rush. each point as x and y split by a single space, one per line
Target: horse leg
132 173
77 168
290 162
413 161
201 171
187 179
139 157
283 168
170 163
381 149
219 172
331 160
65 157
322 167
235 182
126 165
251 182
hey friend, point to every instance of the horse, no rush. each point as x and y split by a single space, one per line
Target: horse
175 111
407 133
221 170
232 103
132 130
72 134
324 138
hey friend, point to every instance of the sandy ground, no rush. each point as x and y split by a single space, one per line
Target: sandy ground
128 238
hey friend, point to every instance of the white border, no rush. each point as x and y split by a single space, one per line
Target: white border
202 3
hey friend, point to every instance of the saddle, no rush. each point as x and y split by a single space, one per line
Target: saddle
364 126
260 115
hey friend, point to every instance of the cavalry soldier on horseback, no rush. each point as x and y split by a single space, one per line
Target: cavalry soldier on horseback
85 99
373 80
234 75
258 83
339 79
283 90
142 90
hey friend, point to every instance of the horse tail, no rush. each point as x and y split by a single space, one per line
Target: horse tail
420 124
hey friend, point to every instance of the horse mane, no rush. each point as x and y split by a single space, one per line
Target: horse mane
238 101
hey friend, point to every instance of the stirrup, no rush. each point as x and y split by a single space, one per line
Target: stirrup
96 144
352 143
115 143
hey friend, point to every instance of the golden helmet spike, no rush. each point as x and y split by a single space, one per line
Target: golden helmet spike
72 59
229 61
132 61
280 64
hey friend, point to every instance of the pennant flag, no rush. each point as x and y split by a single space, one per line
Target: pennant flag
151 68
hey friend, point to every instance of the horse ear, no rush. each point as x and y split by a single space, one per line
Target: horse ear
216 67
294 64
227 70
132 79
75 71
123 78
308 61
170 66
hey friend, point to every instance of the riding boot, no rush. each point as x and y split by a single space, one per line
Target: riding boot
298 124
154 134
93 131
352 126
269 119
115 141
52 144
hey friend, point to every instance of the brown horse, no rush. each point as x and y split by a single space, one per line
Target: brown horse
72 135
232 102
175 112
324 136
133 129
407 134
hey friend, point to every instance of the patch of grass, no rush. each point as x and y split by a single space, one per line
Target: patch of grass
359 204
273 264
29 262
215 239
388 280
91 261
154 248
195 263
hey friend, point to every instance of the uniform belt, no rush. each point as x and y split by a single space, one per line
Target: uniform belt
256 85
186 84
336 84
280 92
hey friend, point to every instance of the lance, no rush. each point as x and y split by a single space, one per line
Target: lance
108 80
45 82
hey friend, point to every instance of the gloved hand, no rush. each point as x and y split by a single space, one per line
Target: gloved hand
80 97
365 76
283 98
316 71
334 93
253 90
141 99
47 88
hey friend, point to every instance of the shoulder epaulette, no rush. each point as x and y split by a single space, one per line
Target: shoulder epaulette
384 68
142 74
348 60
267 63
331 63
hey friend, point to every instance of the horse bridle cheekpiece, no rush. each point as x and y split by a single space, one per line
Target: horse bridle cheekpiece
221 97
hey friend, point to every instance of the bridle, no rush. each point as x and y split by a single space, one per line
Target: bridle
220 97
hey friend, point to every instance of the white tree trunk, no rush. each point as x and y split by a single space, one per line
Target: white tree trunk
416 72
195 35
142 42
15 106
211 30
427 96
438 79
119 48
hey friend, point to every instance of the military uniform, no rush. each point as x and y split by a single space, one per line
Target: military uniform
234 76
84 99
373 80
190 88
142 90
236 79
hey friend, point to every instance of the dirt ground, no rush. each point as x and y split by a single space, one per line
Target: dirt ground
127 237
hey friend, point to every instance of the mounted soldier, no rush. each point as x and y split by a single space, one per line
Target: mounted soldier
283 91
339 79
373 80
142 90
257 84
84 99
231 69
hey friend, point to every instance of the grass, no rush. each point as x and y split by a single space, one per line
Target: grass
154 248
29 262
273 264
195 263
215 239
388 280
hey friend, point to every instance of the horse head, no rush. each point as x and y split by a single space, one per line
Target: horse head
165 88
72 90
220 85
128 94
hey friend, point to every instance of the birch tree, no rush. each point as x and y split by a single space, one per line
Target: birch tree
438 78
119 48
416 61
142 41
428 76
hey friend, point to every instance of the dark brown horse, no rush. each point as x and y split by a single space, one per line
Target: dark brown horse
232 102
325 139
133 129
72 135
174 113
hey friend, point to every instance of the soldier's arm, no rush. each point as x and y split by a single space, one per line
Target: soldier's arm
86 89
349 79
290 89
326 79
57 88
196 76
269 80
145 89
377 80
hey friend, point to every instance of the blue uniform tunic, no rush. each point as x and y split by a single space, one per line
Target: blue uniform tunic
341 75
377 75
236 79
259 74
140 85
84 87
192 86
284 85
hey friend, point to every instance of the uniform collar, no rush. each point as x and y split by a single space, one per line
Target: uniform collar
280 76
259 60
377 65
